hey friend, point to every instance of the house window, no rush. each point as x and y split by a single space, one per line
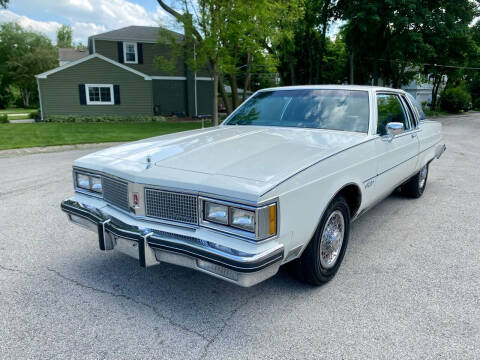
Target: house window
99 94
130 53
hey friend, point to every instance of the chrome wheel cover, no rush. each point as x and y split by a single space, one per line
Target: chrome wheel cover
422 178
332 239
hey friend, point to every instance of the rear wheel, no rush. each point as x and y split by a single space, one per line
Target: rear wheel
415 187
324 254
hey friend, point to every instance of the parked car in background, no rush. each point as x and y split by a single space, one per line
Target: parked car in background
279 181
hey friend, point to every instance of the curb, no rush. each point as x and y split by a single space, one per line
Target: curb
55 148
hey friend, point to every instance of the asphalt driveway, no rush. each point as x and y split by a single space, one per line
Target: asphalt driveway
409 286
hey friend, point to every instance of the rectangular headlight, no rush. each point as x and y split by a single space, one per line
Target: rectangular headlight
83 181
89 182
242 219
96 184
216 213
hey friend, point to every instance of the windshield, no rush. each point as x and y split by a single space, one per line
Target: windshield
345 110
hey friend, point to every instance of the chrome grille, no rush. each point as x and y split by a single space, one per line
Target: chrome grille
115 192
172 206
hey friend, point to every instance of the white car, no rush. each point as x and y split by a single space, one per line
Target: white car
279 181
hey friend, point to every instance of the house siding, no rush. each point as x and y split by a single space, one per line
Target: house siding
169 96
150 52
204 97
60 93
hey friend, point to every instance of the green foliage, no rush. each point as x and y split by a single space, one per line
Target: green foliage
33 114
64 37
23 54
455 99
3 118
476 104
102 118
4 3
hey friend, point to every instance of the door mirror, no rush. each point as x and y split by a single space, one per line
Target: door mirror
394 128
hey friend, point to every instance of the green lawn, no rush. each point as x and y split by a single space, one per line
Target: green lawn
17 111
13 136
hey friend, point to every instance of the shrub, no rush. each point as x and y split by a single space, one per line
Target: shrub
455 99
33 114
3 119
476 104
102 118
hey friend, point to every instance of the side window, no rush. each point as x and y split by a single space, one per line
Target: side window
389 110
412 114
417 106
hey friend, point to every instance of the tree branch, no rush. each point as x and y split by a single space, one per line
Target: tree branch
180 18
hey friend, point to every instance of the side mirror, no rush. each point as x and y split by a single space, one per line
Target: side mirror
394 128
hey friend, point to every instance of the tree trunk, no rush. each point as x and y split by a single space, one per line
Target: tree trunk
227 104
234 85
292 71
437 80
321 52
25 97
215 95
247 77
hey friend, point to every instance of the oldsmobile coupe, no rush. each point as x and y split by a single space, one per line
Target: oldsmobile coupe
279 181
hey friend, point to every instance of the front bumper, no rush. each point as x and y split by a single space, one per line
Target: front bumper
204 250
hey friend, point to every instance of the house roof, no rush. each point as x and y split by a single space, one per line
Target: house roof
68 54
135 33
86 58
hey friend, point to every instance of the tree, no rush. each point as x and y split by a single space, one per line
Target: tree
220 34
4 3
446 30
64 37
23 54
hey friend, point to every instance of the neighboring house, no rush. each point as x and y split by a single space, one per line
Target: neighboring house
68 55
119 77
422 92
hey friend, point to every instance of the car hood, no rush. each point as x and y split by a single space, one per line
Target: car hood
252 157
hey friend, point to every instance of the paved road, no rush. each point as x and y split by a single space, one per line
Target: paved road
409 286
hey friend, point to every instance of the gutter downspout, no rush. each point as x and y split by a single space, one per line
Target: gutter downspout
195 80
40 99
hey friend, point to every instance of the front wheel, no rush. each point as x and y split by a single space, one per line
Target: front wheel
415 187
324 254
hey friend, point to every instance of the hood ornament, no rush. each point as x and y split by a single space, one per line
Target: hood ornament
149 161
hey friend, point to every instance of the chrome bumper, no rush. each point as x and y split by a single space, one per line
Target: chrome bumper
152 244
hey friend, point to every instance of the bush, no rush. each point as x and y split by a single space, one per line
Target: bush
33 114
455 99
476 104
102 118
3 119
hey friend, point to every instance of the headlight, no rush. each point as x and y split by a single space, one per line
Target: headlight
83 181
255 223
96 184
216 213
89 182
242 219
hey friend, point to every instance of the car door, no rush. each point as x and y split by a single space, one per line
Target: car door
397 156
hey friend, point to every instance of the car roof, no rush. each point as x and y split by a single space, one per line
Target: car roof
333 87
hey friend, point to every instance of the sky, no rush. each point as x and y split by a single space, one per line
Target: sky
86 17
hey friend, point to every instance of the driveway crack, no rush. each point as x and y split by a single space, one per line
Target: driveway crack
126 297
226 323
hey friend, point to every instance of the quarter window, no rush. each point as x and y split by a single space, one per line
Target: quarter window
130 52
389 110
99 94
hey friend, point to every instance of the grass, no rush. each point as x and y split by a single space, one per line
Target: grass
14 136
17 111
